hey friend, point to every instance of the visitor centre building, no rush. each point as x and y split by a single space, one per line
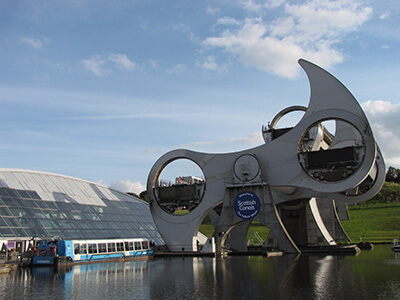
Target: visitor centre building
39 205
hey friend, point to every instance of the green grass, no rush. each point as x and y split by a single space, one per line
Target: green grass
373 222
181 212
368 223
255 228
207 229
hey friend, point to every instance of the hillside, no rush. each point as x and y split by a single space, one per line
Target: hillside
390 193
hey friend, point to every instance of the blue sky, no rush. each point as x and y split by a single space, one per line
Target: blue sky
99 90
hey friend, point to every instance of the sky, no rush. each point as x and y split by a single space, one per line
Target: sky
99 90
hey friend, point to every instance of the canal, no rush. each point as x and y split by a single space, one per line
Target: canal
373 274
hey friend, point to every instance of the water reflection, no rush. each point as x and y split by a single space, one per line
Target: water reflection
372 275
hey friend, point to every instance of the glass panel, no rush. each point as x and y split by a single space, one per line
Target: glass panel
3 192
32 232
65 224
2 222
145 245
58 232
19 202
111 247
11 222
92 248
31 204
120 246
113 225
51 205
38 213
23 194
6 232
83 249
19 232
41 204
8 201
18 212
131 246
46 223
84 225
77 217
138 246
4 211
33 195
101 225
76 248
12 193
102 248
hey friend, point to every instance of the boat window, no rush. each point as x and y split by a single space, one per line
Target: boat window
129 246
138 246
111 247
82 249
144 245
102 248
120 246
92 248
76 248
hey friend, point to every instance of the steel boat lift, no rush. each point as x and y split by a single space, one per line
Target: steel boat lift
298 183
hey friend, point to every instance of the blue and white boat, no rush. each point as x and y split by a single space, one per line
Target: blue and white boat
66 252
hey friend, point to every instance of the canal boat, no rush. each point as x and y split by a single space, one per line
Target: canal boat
67 252
396 246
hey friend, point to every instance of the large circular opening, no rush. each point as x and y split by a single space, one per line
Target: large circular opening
180 187
331 150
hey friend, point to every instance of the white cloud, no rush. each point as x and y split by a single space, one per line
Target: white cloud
151 150
254 138
154 63
227 21
309 30
101 65
209 63
384 118
385 15
95 64
274 3
121 61
195 145
212 10
255 7
180 68
252 6
128 186
35 43
187 31
379 107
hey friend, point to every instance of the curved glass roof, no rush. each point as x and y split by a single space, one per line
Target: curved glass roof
43 205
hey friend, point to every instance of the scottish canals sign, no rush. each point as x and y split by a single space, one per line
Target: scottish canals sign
246 205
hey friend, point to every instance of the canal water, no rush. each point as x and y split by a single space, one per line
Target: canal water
373 274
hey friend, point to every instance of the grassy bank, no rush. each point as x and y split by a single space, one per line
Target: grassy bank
377 223
256 228
373 222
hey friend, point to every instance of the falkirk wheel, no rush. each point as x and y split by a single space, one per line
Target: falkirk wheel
297 183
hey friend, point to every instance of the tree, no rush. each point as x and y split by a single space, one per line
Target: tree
133 194
393 175
143 196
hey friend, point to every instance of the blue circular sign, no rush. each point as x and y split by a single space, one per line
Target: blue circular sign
247 205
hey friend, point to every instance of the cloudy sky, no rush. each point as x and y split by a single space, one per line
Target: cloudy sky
99 90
